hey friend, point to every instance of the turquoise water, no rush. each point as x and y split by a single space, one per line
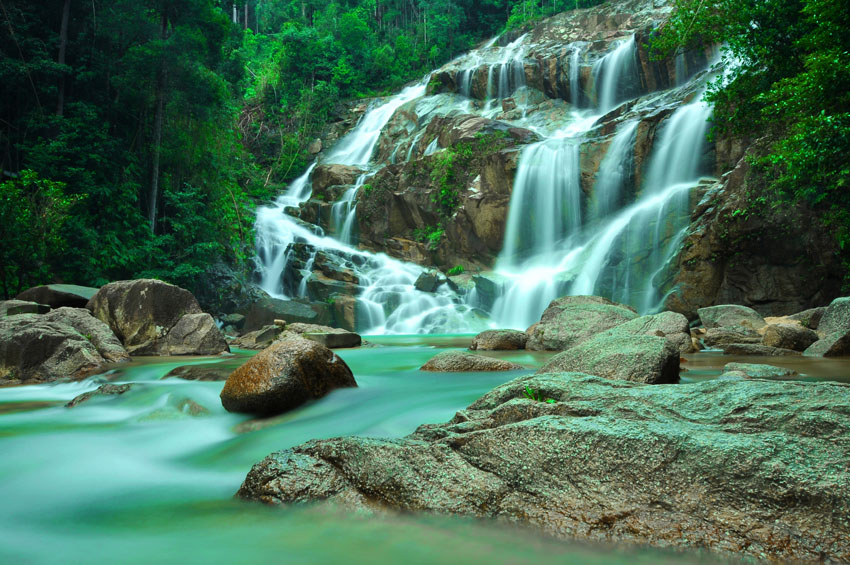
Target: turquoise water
149 477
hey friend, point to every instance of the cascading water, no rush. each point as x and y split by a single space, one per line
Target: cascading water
614 171
616 76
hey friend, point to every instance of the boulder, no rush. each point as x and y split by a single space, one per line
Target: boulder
669 325
58 295
836 344
97 332
331 338
571 320
427 282
788 336
284 376
17 307
755 468
264 310
102 390
718 337
836 318
758 371
195 334
809 318
756 349
465 362
34 350
726 315
141 312
235 320
499 340
263 337
205 372
628 357
325 176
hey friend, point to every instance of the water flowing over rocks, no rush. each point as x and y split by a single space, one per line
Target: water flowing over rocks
284 376
102 390
739 466
465 362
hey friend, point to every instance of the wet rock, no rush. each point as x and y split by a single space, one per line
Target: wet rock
97 332
465 362
284 376
205 372
264 309
836 318
836 344
756 349
758 371
195 334
718 337
637 358
787 336
331 338
344 311
594 465
669 325
499 340
726 315
325 176
262 338
141 312
572 320
102 390
17 307
427 282
58 295
809 318
34 350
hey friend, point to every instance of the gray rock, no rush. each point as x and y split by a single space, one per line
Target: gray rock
195 334
465 362
669 325
205 372
718 337
102 390
756 349
789 336
427 282
628 357
34 350
284 376
235 320
262 338
759 371
59 295
18 307
730 315
752 467
809 318
836 318
141 312
98 333
836 344
264 310
499 340
571 320
331 338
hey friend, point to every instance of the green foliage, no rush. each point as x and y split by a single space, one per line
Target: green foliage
430 235
456 270
532 394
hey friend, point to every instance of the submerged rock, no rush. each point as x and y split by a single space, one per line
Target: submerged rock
571 320
465 362
284 376
102 390
638 358
751 467
499 340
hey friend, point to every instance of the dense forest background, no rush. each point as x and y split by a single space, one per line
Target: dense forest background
137 137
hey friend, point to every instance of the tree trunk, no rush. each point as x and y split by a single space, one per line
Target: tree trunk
63 42
153 195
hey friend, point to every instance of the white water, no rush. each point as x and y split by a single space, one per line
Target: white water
614 170
615 72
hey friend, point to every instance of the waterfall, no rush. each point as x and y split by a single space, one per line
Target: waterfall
575 70
614 171
343 211
616 76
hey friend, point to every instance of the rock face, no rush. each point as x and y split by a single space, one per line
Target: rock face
58 295
730 315
499 340
141 312
195 334
284 376
638 358
571 320
836 318
34 350
97 332
464 362
752 467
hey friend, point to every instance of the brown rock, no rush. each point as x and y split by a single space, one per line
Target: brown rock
195 334
465 362
499 340
787 336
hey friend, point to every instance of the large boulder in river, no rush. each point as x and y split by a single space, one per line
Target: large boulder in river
141 312
836 318
751 467
34 350
628 357
195 334
789 336
672 326
726 315
465 362
58 295
571 320
499 340
284 376
97 332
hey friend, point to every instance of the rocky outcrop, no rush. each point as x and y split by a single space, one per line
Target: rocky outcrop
741 467
637 358
195 334
572 320
59 295
499 340
465 362
97 332
284 376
